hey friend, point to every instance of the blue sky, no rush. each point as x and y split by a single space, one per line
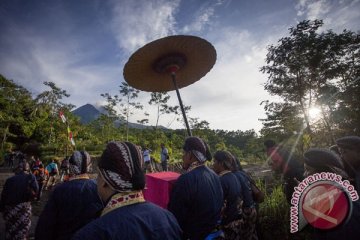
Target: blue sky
83 45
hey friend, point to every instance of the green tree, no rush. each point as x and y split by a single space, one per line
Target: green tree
129 104
51 99
306 69
50 128
16 116
347 112
178 114
199 128
282 120
160 99
106 123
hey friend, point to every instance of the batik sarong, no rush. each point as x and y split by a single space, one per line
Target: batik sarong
248 225
17 221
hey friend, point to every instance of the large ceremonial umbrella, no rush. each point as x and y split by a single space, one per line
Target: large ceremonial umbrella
181 58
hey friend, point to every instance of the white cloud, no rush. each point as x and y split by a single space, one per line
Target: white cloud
336 14
204 16
41 60
313 9
345 15
135 23
231 92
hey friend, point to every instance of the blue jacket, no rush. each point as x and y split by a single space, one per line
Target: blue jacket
245 188
137 221
232 196
196 201
71 206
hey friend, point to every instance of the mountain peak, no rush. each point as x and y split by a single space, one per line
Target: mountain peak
87 113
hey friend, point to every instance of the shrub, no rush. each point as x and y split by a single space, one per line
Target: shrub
274 220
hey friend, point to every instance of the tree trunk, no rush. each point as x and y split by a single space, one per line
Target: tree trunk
327 125
4 138
306 118
127 126
158 116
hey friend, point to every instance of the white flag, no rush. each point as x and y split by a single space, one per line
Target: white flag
63 118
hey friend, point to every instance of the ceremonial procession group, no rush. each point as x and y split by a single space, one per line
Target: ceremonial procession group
208 201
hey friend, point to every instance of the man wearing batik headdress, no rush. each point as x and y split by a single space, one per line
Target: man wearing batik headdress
16 197
126 214
72 204
197 197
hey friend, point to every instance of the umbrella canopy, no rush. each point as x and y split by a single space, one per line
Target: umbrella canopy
149 68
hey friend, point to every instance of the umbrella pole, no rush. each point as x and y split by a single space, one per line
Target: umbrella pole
173 75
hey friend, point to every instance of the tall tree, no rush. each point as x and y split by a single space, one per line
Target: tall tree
129 104
16 116
51 99
111 106
106 122
49 104
282 119
178 114
160 99
199 127
348 112
306 68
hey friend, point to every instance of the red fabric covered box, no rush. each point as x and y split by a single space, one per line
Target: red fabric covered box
158 187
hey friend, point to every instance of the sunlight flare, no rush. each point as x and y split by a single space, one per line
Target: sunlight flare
314 113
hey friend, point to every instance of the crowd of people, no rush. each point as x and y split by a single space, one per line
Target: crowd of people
208 201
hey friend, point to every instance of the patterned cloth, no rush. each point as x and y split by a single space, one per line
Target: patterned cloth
123 199
80 163
198 147
194 165
248 224
232 230
231 214
17 221
81 176
121 167
244 228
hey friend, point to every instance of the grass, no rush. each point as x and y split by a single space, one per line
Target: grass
274 220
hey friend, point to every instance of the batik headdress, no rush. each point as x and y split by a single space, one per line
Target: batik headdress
79 163
121 167
198 147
